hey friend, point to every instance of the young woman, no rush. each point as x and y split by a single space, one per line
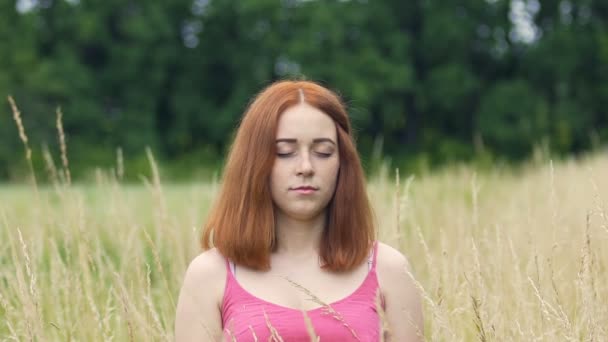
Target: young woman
290 250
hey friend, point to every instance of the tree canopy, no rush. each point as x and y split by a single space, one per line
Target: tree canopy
438 80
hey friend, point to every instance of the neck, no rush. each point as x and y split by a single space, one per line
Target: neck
298 238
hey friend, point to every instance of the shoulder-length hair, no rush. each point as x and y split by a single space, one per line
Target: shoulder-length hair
241 223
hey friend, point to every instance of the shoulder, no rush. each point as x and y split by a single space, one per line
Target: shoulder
391 260
198 314
208 260
206 274
401 294
394 271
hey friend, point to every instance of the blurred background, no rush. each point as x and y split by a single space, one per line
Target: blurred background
427 82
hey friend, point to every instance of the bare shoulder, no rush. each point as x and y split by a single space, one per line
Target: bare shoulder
394 271
198 315
390 260
401 294
210 260
206 274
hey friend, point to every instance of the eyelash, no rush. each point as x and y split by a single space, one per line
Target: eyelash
285 155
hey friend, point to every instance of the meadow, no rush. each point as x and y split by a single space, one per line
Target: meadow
505 254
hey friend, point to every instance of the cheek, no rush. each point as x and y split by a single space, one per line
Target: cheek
278 182
330 180
277 175
332 172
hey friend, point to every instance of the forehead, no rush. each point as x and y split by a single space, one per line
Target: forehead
304 122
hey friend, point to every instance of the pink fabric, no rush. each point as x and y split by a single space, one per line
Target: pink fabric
354 318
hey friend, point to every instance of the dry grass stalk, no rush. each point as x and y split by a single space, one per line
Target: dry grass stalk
33 291
255 337
5 305
8 311
385 329
539 292
397 204
326 307
23 137
601 208
587 285
481 331
563 317
229 330
160 266
96 313
427 252
120 168
150 305
13 336
437 311
274 334
157 188
310 329
475 188
108 316
122 294
28 268
63 147
76 242
50 164
547 310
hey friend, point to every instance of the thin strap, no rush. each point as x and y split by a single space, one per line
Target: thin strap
231 266
372 259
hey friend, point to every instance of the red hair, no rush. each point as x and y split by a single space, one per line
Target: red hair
241 223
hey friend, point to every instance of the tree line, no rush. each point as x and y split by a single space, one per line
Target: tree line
425 81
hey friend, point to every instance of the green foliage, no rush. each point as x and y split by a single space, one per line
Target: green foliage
427 76
512 117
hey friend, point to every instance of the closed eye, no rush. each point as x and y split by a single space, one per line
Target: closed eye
288 154
284 155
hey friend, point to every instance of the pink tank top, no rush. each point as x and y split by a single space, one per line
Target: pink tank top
246 317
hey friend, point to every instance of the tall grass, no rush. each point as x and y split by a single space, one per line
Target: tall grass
498 256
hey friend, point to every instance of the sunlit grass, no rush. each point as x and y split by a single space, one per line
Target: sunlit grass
500 255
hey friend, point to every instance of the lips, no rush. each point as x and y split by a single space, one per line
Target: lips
305 188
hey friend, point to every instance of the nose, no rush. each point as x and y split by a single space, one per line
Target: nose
305 167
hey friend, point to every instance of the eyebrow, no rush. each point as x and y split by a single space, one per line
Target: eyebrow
314 141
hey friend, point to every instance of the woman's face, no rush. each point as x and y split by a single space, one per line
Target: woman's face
305 170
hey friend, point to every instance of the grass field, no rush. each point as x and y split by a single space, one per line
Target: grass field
501 255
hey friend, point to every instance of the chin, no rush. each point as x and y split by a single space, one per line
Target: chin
304 215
